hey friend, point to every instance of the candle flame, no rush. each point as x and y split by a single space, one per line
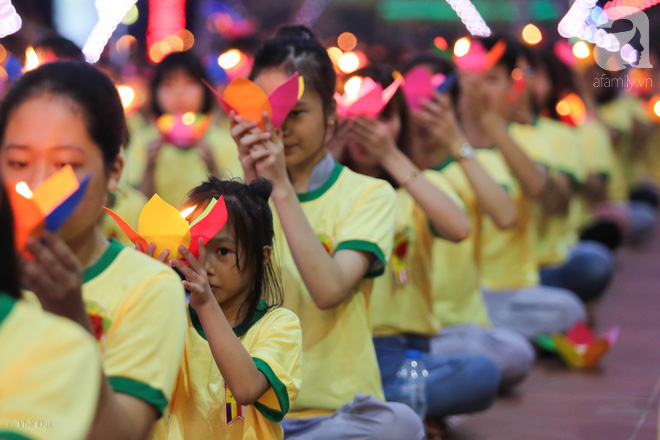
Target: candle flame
31 59
23 189
186 212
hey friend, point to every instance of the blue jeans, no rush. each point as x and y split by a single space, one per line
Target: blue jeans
587 272
455 385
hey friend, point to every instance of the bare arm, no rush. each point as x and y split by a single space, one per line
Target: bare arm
447 218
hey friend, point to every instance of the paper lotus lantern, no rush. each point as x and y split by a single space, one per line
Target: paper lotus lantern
250 102
183 130
420 83
369 100
477 60
47 206
579 348
162 224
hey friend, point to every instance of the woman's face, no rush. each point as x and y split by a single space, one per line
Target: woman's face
44 134
304 130
180 93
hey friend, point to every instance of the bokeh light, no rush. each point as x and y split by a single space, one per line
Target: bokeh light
581 50
462 47
347 41
230 59
348 62
531 34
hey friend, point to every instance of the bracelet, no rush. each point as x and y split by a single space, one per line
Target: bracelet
411 177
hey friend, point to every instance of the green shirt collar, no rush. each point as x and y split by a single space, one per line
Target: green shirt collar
444 164
102 263
240 329
318 192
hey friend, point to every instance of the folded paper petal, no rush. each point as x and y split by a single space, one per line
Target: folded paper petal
208 224
55 189
370 101
284 99
126 228
568 351
55 219
418 85
162 224
29 213
447 84
580 334
595 353
249 100
477 60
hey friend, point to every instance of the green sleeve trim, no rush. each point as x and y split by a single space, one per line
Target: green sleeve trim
435 233
575 182
9 435
507 188
7 304
605 175
366 246
280 391
141 390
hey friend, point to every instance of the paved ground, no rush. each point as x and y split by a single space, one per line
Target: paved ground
619 400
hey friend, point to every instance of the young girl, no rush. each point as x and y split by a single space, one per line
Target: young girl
49 367
336 228
402 307
244 385
135 302
156 166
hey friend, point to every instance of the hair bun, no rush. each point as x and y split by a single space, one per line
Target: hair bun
261 187
298 31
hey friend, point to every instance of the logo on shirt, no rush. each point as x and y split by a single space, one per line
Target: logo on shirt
98 315
399 253
327 241
233 410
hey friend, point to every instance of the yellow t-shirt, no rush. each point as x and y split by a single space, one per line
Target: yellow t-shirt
349 211
137 307
597 160
652 160
180 169
403 297
620 114
555 235
202 406
50 375
128 204
457 286
508 255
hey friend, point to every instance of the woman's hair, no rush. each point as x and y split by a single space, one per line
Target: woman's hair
561 82
296 49
180 62
9 281
89 90
62 48
249 213
397 106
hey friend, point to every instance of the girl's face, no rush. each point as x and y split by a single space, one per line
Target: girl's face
180 93
230 284
46 133
304 130
498 85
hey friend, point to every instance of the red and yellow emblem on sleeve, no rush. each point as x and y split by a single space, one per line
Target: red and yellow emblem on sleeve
233 410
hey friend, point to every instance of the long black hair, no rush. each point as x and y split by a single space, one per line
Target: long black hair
296 49
88 89
9 280
249 213
187 63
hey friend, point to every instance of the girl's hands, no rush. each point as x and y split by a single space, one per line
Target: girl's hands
54 274
268 156
150 252
197 281
153 150
373 135
438 119
247 137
